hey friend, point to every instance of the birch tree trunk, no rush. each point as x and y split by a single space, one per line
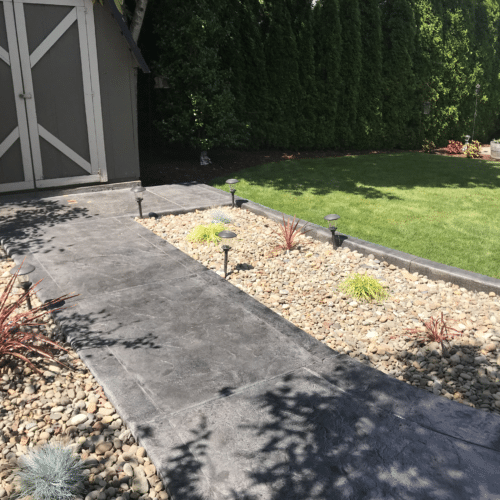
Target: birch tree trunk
138 18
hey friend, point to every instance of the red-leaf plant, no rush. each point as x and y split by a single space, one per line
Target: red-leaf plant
436 331
454 147
15 325
288 232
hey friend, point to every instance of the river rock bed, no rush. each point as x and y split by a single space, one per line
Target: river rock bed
302 286
68 406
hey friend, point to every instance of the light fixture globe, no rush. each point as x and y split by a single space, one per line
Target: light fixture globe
138 190
329 218
232 190
23 278
226 237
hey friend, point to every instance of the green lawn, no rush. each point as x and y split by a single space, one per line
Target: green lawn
438 207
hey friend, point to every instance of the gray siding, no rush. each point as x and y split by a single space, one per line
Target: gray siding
117 79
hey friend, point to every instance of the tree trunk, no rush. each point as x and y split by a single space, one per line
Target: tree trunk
138 18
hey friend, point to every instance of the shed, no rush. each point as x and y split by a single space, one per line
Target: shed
68 95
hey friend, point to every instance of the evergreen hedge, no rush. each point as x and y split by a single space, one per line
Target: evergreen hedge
327 74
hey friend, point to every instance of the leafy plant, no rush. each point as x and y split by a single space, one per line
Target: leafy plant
288 232
220 217
206 233
454 147
473 150
428 146
50 473
436 330
363 287
19 326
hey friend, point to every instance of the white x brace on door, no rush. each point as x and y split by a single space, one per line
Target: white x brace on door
55 107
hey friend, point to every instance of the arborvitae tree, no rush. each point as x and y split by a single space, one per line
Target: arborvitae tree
328 50
198 108
301 12
282 69
400 110
243 56
429 70
369 116
350 71
459 70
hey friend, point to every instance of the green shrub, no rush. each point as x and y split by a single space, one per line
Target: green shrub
206 233
473 150
363 287
428 146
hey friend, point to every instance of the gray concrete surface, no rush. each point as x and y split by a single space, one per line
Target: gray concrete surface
230 400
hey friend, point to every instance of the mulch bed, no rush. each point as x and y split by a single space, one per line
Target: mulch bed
175 165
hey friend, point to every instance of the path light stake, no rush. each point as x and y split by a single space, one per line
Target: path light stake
232 190
329 218
23 279
226 237
138 190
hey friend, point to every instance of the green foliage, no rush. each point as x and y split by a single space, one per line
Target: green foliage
351 56
363 287
206 233
282 62
369 110
328 40
336 74
400 110
50 473
428 146
199 107
473 150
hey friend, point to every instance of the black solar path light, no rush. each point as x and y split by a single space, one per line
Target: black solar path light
23 278
232 190
138 190
226 239
329 218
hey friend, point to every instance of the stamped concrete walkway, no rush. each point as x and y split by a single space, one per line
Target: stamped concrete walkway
230 400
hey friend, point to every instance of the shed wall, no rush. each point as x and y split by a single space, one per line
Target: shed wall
118 82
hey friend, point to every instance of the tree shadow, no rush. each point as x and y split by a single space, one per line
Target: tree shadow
27 219
364 175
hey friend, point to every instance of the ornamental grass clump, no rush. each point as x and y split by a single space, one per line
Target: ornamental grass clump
19 326
50 473
220 217
436 330
363 287
206 233
288 232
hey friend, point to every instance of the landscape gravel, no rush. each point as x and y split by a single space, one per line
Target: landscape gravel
69 407
302 286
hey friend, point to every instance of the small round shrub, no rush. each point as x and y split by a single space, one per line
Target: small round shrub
50 473
428 146
363 287
473 150
206 233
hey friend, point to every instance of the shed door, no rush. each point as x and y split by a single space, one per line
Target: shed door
53 132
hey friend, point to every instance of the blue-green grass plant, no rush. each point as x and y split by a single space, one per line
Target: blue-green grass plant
51 472
219 216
